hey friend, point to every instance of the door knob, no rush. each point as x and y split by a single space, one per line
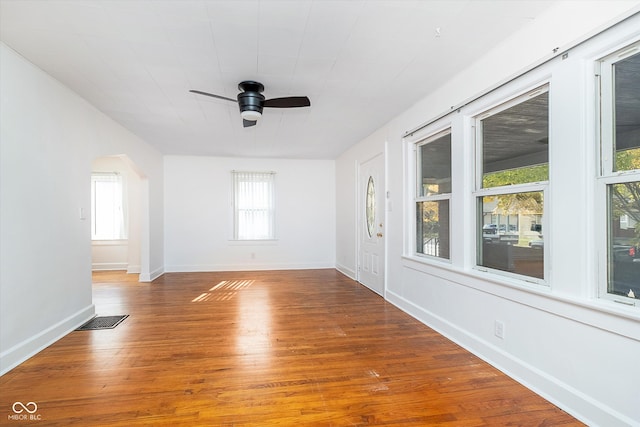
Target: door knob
379 234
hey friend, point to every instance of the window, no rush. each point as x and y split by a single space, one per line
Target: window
623 203
371 207
620 171
433 193
512 176
253 205
107 207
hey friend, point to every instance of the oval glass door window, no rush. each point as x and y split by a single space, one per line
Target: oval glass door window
371 207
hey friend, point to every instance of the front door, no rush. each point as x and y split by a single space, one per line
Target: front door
371 231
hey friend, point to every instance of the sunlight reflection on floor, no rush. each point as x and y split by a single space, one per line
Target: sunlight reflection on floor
223 291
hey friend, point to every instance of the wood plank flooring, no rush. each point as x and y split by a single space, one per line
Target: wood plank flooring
279 348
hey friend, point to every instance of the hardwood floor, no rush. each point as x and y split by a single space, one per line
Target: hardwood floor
281 348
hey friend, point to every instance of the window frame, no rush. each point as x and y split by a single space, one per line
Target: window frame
478 191
270 208
119 179
608 176
418 198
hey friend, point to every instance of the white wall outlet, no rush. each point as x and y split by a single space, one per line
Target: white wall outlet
498 329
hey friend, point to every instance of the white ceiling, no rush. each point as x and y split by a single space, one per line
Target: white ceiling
361 62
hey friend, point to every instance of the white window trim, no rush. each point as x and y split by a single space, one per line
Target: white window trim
479 191
495 109
412 143
272 226
123 237
605 129
578 301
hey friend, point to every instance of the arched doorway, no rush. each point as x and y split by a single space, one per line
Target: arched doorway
119 216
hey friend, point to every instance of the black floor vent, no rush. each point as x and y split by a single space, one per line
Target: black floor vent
102 322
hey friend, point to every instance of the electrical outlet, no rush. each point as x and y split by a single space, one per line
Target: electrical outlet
498 329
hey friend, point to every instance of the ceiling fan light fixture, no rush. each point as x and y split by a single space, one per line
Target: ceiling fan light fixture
251 101
250 115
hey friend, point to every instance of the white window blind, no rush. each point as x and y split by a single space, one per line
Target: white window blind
253 205
107 207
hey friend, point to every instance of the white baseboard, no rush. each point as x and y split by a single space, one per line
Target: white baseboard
245 267
17 354
346 271
107 266
133 269
151 276
574 402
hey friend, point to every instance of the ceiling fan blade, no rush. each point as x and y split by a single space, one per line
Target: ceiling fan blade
248 123
288 102
214 96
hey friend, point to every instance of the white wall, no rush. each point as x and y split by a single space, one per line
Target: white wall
49 138
199 223
561 341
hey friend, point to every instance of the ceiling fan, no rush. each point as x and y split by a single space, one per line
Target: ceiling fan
251 101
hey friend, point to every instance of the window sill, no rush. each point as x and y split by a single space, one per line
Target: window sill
484 273
428 259
115 242
597 312
257 242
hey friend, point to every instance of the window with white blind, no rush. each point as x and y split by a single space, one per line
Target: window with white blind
107 207
253 205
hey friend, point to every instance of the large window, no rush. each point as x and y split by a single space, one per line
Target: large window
107 207
512 176
433 193
253 205
620 170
